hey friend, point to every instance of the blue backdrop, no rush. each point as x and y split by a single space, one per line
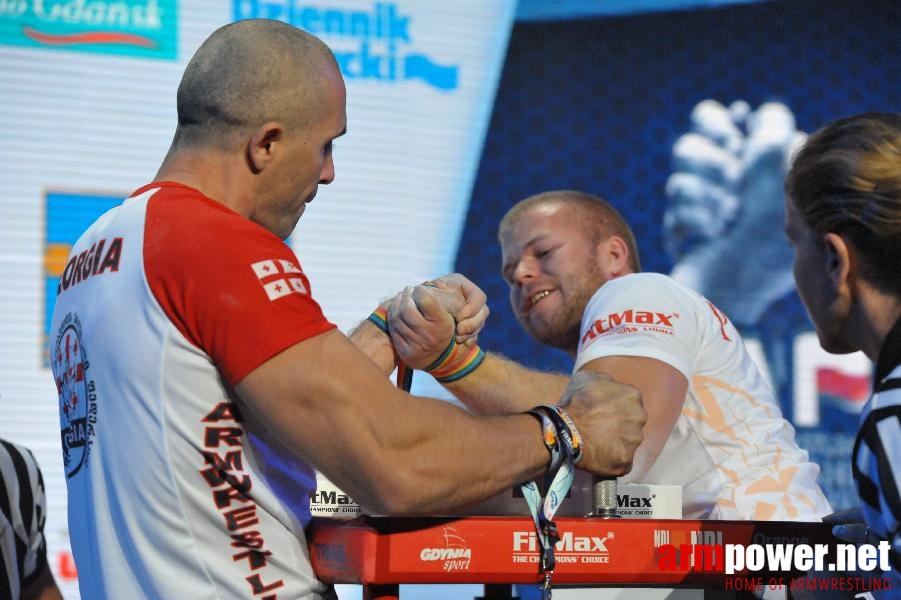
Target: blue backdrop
597 104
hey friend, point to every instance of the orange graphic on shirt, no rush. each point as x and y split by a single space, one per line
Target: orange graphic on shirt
777 481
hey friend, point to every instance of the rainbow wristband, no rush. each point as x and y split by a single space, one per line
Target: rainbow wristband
379 318
456 362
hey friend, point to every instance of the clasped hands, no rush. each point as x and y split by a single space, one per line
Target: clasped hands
423 318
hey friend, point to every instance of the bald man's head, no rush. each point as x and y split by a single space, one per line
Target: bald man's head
247 73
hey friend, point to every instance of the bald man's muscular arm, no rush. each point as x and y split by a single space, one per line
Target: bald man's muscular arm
501 386
393 453
398 454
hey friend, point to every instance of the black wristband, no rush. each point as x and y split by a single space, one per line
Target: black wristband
568 438
549 436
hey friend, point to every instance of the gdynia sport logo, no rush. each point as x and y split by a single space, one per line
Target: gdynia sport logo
841 566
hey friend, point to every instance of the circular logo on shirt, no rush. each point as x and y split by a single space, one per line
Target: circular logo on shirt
77 395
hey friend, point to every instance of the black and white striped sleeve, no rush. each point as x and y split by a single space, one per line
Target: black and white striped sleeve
877 464
23 549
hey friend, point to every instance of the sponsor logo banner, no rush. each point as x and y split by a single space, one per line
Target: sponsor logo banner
144 28
376 43
713 554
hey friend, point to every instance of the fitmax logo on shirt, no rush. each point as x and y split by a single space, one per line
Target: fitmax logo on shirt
629 321
368 44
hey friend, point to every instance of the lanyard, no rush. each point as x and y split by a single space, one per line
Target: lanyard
543 517
565 445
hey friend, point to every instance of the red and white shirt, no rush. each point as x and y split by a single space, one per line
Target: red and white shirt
165 304
731 451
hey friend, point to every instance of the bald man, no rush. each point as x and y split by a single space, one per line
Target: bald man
201 386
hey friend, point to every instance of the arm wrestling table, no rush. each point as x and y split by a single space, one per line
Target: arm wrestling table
381 552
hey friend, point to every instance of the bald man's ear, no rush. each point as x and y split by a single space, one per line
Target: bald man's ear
262 145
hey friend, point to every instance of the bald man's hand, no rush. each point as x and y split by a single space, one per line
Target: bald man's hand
471 316
420 325
422 319
609 416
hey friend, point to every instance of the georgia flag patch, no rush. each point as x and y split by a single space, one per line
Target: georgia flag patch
275 276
